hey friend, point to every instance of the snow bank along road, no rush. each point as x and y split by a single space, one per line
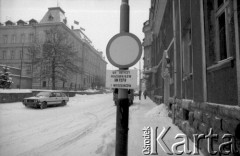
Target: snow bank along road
85 126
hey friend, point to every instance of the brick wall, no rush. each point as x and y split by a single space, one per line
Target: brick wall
198 118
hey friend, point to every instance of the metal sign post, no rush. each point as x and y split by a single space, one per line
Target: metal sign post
123 51
123 103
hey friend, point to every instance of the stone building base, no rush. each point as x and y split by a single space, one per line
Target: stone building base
198 118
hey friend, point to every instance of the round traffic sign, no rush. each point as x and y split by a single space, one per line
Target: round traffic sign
124 50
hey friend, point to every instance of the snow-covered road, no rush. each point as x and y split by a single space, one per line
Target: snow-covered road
86 126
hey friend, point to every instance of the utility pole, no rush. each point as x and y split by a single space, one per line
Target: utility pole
123 102
140 80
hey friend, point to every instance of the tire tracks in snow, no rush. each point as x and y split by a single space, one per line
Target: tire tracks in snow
65 140
71 138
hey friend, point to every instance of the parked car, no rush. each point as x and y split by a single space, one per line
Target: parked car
44 99
130 96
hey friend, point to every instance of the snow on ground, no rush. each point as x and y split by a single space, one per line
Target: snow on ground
158 111
91 90
86 126
15 91
145 113
30 90
80 128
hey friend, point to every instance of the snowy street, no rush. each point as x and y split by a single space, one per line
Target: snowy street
85 126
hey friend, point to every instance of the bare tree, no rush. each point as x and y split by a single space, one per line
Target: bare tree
58 59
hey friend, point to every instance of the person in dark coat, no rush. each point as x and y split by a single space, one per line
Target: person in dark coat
145 94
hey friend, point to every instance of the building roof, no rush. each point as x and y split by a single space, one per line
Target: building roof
21 22
54 14
33 20
9 22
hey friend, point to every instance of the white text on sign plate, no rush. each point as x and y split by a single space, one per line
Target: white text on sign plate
121 79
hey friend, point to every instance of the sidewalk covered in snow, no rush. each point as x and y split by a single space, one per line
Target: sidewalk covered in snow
145 113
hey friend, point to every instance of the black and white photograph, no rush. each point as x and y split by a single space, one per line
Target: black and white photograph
119 77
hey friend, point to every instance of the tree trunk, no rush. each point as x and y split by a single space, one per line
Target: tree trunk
53 74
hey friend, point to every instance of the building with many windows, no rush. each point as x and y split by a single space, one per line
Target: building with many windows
17 38
192 64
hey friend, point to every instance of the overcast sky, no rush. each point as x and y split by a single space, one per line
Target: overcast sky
99 18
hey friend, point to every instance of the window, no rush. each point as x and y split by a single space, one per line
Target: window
12 54
53 95
58 95
63 95
31 39
29 70
222 9
44 84
22 38
50 17
5 38
4 55
187 54
222 36
13 38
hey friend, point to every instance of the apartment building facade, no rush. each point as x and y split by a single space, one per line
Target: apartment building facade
17 38
194 67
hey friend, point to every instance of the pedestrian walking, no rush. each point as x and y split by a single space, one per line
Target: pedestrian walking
145 94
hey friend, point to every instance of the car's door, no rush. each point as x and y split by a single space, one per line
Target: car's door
52 99
58 98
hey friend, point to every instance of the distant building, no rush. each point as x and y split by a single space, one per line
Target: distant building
192 64
16 38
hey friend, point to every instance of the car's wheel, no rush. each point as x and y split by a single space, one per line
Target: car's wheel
43 105
63 103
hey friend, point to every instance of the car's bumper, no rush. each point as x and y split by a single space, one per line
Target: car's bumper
31 104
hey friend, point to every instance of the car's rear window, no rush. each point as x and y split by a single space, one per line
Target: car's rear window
58 94
63 94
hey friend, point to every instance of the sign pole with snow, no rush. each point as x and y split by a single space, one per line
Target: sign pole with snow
123 51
